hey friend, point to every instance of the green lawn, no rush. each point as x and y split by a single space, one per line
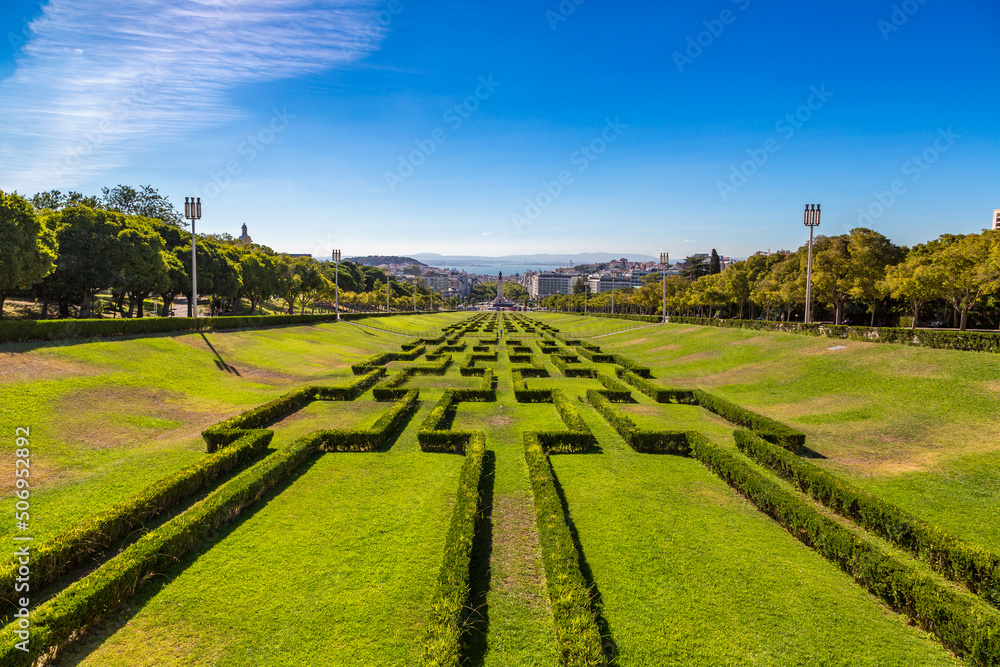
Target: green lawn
338 565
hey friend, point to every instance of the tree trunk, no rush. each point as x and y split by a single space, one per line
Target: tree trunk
916 314
965 313
45 307
3 297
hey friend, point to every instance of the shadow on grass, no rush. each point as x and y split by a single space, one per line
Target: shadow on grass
220 362
477 620
807 453
597 602
77 651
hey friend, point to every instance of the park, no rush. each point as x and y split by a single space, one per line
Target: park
502 488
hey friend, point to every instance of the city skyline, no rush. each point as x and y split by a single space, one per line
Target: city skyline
401 128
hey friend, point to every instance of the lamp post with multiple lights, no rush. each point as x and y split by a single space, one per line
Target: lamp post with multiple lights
664 258
336 281
811 221
192 211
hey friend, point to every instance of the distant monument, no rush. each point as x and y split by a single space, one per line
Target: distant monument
500 301
245 238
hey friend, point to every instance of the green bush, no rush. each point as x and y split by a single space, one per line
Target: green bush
105 589
655 391
524 395
55 557
614 390
441 644
595 355
640 439
573 371
519 358
954 558
963 622
350 391
628 364
573 614
230 430
433 438
370 439
767 428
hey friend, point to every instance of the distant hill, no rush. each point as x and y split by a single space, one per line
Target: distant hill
375 260
564 260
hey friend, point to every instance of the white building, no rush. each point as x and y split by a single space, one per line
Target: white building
996 219
547 284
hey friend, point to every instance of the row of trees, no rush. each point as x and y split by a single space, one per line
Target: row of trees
65 249
860 275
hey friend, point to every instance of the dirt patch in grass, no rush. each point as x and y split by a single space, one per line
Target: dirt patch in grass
27 367
666 348
109 417
500 421
517 556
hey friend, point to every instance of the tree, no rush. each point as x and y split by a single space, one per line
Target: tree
261 278
916 280
736 284
695 267
871 254
714 264
53 200
299 276
141 261
27 246
146 201
969 268
832 271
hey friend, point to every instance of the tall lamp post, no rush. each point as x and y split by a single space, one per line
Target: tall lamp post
336 281
192 211
664 258
387 291
811 221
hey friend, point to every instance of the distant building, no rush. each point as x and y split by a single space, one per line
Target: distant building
996 219
436 282
245 238
547 284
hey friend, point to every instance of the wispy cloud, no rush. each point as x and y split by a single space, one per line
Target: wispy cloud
98 81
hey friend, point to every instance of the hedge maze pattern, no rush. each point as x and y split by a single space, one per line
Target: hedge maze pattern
964 617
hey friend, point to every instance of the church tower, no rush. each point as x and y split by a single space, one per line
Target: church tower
245 238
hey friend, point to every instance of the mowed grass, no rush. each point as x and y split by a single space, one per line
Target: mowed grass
691 574
109 417
416 324
917 426
337 568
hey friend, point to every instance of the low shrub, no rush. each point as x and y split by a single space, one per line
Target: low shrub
640 439
628 364
614 390
767 428
109 586
55 557
962 622
954 558
350 391
441 644
655 391
573 613
433 438
572 371
524 395
230 430
370 439
596 356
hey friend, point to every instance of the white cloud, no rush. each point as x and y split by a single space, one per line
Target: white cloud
99 81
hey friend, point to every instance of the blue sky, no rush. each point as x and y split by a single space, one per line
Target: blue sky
410 126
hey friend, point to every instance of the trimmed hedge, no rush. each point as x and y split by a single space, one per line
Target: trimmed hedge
954 558
767 428
55 557
524 395
519 358
963 622
968 341
442 638
438 368
571 370
595 355
105 589
614 390
227 431
628 364
573 614
20 331
640 439
392 389
434 439
655 391
370 439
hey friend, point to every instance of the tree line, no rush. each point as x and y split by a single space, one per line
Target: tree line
860 277
64 249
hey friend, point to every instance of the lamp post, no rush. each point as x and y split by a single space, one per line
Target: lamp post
664 258
336 280
612 296
387 291
192 211
811 221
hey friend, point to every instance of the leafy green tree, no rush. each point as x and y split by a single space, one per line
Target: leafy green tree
831 276
970 268
27 246
714 263
53 200
142 263
917 279
695 267
146 201
871 254
261 278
